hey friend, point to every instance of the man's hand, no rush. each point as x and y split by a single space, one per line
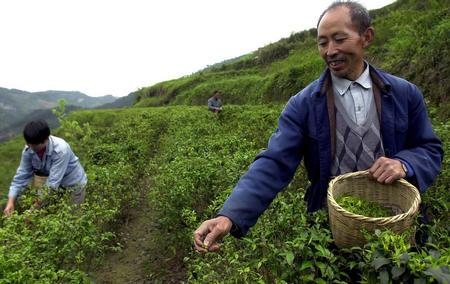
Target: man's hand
209 232
386 170
9 209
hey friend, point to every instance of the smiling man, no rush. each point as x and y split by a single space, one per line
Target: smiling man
51 157
354 117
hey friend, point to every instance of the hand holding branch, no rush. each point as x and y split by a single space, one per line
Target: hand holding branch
211 231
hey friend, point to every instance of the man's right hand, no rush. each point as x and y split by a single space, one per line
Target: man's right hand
211 231
9 209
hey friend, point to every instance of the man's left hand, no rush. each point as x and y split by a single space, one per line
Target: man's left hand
386 170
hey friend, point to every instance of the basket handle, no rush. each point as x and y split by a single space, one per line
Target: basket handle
366 173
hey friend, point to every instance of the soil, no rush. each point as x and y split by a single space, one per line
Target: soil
142 259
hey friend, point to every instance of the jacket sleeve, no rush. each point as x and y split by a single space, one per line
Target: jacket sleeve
423 149
270 172
60 162
23 175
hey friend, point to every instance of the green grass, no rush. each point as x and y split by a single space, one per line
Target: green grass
10 152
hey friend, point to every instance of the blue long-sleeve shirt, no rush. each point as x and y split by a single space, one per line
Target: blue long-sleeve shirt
59 163
214 103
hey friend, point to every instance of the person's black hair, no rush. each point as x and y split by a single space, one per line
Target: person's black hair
359 15
36 132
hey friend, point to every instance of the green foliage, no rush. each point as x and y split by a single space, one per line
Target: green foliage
192 159
390 258
71 129
362 207
236 90
166 91
10 152
412 41
272 52
60 242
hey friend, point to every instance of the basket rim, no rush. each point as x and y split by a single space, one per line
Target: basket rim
378 220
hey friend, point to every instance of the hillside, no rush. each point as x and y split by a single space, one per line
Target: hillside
17 107
126 101
15 127
412 41
13 99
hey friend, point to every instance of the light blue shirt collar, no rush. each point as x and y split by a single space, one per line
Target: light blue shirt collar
48 147
341 84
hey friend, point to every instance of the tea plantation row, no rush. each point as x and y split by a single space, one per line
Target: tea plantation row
191 159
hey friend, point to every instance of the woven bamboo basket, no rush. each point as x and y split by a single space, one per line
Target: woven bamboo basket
38 181
401 197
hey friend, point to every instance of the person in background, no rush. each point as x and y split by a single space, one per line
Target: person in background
49 156
354 117
214 103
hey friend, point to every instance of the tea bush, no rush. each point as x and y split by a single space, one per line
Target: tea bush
192 158
58 243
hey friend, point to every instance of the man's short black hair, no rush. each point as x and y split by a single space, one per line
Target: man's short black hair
36 132
358 13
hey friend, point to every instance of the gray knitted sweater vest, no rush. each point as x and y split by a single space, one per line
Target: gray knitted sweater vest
357 147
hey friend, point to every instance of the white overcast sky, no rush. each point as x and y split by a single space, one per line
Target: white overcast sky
102 47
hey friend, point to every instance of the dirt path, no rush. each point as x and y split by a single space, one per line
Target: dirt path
141 260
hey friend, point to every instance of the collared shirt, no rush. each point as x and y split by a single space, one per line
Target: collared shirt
214 103
357 99
59 163
356 96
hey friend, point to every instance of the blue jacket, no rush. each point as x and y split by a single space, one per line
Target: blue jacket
59 163
304 132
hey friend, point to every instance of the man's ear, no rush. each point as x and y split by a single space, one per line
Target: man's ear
368 36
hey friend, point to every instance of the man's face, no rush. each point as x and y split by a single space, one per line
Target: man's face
38 147
340 44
